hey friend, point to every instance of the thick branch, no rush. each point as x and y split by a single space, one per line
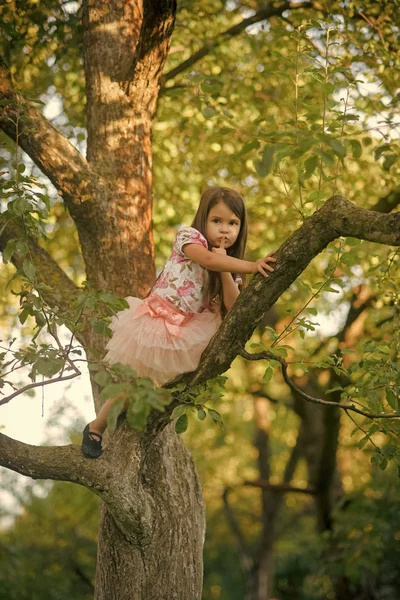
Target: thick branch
67 463
61 463
66 168
282 488
261 15
338 217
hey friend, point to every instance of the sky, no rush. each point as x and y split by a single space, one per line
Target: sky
65 404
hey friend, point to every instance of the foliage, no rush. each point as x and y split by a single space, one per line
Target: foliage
49 552
290 112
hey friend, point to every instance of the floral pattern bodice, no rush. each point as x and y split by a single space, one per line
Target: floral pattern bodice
183 281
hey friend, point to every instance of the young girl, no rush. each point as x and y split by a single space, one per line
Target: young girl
165 334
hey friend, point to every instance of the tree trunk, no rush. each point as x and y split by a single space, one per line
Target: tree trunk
125 47
164 560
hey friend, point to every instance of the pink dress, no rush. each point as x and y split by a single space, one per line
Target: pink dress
165 334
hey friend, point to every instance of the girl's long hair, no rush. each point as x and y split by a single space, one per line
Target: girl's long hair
232 199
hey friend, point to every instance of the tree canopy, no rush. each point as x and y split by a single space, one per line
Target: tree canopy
296 105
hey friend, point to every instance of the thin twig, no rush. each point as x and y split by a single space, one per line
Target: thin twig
293 386
34 385
373 26
279 488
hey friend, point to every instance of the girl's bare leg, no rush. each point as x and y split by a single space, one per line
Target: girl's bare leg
99 425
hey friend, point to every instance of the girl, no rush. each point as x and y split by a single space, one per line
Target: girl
165 334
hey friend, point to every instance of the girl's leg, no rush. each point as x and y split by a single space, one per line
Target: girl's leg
99 425
92 434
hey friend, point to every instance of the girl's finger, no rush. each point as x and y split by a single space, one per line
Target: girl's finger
265 265
222 242
261 270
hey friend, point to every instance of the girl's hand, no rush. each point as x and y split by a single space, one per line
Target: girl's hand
221 249
261 265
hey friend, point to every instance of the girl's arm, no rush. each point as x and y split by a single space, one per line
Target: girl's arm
220 262
229 290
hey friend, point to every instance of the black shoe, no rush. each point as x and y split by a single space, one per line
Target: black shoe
91 447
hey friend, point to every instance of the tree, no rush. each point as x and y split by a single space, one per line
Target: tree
146 479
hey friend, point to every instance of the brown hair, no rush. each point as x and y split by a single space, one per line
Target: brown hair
235 202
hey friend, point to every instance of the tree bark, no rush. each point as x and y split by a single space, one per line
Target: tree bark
164 561
125 48
152 528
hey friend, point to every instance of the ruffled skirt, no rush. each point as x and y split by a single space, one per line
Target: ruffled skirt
157 340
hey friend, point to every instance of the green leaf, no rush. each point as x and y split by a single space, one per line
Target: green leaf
179 387
29 270
209 112
20 206
337 147
380 150
310 166
390 451
383 464
102 378
391 398
9 250
201 413
264 165
363 441
99 326
39 318
113 389
316 196
254 144
49 366
390 159
328 87
356 148
327 157
348 118
179 411
94 366
182 424
216 417
24 314
137 414
21 247
116 409
376 458
267 375
211 86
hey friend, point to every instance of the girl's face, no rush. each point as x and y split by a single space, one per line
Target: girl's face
222 223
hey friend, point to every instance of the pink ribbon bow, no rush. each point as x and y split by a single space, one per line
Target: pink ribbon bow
155 306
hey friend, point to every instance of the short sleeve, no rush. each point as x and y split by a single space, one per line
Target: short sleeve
188 235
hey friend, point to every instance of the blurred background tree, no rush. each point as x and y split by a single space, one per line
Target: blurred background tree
289 104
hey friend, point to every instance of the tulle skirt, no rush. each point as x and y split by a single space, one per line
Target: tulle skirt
157 340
